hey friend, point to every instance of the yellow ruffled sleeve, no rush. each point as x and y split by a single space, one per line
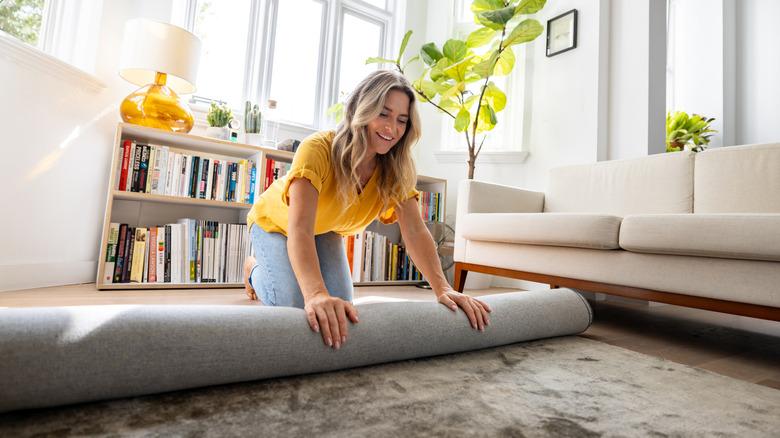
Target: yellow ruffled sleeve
390 215
311 161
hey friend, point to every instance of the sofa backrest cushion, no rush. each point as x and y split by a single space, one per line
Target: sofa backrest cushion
660 183
738 179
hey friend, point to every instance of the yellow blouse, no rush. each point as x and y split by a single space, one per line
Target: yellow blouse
312 161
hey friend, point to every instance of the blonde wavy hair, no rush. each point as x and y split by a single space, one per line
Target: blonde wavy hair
397 174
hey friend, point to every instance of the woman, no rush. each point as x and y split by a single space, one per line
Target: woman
339 183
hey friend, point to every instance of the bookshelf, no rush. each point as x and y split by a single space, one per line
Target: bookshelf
139 209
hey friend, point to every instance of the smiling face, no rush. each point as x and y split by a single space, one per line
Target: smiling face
390 125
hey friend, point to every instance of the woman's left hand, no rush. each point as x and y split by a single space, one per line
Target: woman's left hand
476 310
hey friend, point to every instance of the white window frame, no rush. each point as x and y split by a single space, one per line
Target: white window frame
60 52
514 147
260 45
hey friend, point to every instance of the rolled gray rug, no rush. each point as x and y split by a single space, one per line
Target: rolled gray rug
60 355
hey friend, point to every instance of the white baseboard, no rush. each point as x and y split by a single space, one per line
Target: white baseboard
33 275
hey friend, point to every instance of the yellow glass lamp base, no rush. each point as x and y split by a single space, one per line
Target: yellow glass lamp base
157 106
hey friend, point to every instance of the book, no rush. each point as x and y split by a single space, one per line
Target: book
139 246
126 146
150 169
194 173
160 255
151 256
130 164
143 169
129 239
136 168
167 253
120 254
204 174
111 251
252 183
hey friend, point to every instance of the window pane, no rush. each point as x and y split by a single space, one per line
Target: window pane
296 60
222 27
360 39
22 19
378 3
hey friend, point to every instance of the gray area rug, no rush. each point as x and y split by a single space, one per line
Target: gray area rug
571 387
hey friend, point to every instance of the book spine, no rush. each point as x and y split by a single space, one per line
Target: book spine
233 181
252 182
120 254
111 251
203 177
152 250
193 187
167 253
143 168
136 168
126 146
130 164
139 244
213 180
129 239
150 169
160 255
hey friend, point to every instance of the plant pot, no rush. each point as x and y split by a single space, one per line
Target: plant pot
255 139
222 133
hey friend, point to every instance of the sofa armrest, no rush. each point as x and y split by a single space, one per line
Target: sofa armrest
483 197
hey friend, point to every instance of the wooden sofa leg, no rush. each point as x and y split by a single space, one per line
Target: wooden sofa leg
460 277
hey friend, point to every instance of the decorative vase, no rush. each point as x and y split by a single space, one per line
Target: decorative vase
221 133
157 106
255 139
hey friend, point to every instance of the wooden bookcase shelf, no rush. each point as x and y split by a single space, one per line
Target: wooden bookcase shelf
145 209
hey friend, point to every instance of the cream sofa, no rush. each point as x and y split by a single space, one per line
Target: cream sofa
699 230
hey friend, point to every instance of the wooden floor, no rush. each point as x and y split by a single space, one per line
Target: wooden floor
741 348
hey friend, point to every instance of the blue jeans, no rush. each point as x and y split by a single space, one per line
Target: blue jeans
274 280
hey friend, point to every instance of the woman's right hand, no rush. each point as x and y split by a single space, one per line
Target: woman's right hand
328 315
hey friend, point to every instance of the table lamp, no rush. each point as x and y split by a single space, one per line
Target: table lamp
163 59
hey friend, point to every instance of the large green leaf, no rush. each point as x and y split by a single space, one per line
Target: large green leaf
524 32
449 105
486 5
496 19
486 119
505 63
495 97
428 88
455 50
437 71
453 90
404 42
529 6
462 120
486 66
480 37
430 53
379 60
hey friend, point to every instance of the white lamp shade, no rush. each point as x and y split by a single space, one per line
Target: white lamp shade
151 46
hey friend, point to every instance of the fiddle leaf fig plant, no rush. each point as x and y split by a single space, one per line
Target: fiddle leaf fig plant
456 76
687 132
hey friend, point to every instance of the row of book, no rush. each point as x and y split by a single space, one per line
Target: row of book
372 257
188 251
148 168
431 206
274 170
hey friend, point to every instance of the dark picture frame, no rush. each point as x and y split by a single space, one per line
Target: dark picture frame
562 33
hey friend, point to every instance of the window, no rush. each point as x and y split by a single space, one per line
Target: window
507 135
22 19
304 54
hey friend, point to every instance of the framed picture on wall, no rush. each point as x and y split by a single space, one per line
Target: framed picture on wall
562 33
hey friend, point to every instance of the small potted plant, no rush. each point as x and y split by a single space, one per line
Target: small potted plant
684 132
252 121
219 117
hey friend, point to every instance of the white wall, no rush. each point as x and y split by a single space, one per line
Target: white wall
758 69
57 138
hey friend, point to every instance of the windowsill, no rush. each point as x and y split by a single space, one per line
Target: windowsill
286 129
492 157
21 53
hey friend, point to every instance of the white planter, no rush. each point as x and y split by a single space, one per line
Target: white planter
218 133
254 139
476 281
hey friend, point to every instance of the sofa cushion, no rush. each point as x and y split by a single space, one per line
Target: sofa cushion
660 183
576 230
734 236
738 179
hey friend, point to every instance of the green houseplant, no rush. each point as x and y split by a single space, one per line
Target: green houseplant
218 118
684 131
456 77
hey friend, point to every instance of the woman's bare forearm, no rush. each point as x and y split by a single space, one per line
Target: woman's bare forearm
422 250
303 258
